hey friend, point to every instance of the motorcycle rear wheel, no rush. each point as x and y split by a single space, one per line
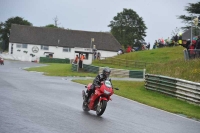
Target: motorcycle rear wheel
101 108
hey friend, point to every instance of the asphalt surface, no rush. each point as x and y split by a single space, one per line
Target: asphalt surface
33 103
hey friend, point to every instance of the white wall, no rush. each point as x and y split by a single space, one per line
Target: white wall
107 53
58 53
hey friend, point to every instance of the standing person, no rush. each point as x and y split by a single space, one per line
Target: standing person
180 39
119 52
187 45
76 59
176 38
98 56
192 47
198 47
95 55
148 46
81 61
155 44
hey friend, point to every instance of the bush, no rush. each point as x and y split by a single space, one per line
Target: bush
53 60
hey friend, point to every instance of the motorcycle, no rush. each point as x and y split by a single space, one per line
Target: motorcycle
98 100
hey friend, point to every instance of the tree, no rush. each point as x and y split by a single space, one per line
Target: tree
194 10
6 27
51 26
128 28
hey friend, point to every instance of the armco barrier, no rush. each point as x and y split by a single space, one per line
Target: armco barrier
90 68
136 74
122 73
117 72
182 89
74 67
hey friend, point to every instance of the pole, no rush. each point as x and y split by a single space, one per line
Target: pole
91 45
191 35
92 40
191 28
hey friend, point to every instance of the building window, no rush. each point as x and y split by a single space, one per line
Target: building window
44 47
66 49
24 45
18 46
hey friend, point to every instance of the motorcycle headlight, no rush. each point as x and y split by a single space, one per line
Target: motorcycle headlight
106 92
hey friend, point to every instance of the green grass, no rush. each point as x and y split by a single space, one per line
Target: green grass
160 55
188 70
136 91
156 56
56 69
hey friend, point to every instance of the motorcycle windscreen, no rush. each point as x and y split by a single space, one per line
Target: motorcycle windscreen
108 84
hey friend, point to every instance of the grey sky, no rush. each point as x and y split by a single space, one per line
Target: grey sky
160 16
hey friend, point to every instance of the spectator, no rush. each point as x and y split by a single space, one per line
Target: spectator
129 49
95 55
154 46
98 56
81 61
167 41
119 52
187 45
122 51
148 46
76 59
180 39
198 47
176 38
192 47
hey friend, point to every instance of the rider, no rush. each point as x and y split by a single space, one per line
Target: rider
97 81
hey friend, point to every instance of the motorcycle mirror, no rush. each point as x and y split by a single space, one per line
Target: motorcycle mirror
116 88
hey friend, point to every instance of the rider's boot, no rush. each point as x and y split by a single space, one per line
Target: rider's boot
89 93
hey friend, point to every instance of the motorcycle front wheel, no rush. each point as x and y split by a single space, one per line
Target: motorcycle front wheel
84 106
101 107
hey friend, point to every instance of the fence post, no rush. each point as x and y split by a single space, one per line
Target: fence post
186 56
77 65
144 71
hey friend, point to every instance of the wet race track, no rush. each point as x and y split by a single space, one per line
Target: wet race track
33 103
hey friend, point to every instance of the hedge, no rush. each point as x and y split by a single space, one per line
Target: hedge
54 60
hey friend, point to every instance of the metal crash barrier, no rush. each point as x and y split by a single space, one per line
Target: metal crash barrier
123 73
182 89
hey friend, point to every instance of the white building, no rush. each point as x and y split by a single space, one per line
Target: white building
29 43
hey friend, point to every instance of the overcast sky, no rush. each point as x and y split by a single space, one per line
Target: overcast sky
160 16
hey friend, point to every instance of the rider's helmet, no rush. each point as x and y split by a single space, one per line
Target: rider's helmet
106 72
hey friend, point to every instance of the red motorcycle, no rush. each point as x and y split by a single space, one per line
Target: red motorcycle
98 100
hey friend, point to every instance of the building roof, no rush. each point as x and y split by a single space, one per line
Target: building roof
187 34
62 37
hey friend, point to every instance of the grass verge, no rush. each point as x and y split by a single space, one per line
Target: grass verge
56 69
140 94
188 70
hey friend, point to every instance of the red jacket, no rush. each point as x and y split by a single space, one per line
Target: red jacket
192 47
